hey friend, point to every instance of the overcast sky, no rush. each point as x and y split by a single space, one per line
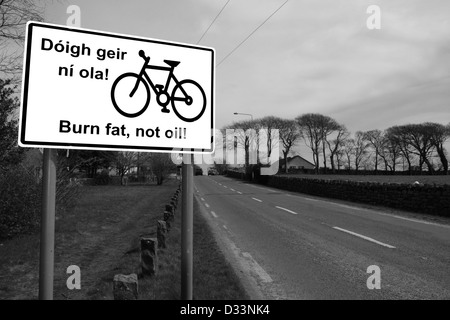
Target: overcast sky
311 56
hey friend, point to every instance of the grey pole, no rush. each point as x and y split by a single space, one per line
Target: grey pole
47 245
186 228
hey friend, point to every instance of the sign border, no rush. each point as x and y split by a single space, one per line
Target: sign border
64 145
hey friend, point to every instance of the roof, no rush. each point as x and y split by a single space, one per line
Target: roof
297 156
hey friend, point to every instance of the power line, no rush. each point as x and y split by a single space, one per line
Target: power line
251 33
212 22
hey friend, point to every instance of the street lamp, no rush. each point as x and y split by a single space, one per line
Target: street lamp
245 114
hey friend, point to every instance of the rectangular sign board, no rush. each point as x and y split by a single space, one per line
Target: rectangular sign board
86 89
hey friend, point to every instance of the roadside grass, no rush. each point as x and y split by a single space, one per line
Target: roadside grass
214 278
423 179
101 235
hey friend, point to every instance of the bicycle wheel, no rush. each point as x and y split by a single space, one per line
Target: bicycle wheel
188 100
127 105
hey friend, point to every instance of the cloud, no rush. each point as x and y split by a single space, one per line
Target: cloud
312 56
414 104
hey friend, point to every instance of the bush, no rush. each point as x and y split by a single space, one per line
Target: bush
20 202
102 179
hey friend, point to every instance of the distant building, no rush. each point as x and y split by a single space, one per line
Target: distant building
297 163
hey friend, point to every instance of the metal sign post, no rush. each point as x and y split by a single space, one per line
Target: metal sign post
47 245
187 208
99 66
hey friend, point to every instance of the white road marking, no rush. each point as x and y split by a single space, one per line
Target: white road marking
257 200
365 238
232 189
220 184
266 189
299 196
263 275
202 199
249 266
206 205
349 207
310 199
417 220
239 192
225 227
213 214
374 211
225 186
290 211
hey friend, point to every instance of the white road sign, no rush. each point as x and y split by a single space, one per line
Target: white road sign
85 89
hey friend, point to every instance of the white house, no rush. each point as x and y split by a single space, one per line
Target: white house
297 162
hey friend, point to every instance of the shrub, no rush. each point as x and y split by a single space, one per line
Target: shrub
20 202
102 179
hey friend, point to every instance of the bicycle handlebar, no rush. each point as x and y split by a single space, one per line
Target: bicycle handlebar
143 56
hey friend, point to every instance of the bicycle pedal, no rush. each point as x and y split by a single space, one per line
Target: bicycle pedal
165 110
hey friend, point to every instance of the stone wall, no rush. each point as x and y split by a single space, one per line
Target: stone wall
430 199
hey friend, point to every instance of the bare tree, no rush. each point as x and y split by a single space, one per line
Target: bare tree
336 146
269 123
124 162
418 136
348 151
309 125
440 134
14 14
327 127
398 136
340 157
390 151
316 128
375 140
246 138
289 136
359 149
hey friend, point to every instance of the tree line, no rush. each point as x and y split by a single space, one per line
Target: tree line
412 147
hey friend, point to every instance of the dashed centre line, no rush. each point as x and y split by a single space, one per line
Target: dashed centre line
287 210
214 214
256 199
206 205
364 237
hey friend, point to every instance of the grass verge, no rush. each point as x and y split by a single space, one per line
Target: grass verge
101 236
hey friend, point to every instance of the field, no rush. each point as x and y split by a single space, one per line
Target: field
101 236
423 179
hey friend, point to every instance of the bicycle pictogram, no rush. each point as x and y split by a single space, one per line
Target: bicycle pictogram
187 98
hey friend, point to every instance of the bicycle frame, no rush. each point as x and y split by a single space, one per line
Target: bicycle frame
144 74
191 92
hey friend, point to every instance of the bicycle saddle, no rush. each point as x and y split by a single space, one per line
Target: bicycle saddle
172 63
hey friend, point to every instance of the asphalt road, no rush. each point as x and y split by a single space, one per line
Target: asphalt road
292 246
